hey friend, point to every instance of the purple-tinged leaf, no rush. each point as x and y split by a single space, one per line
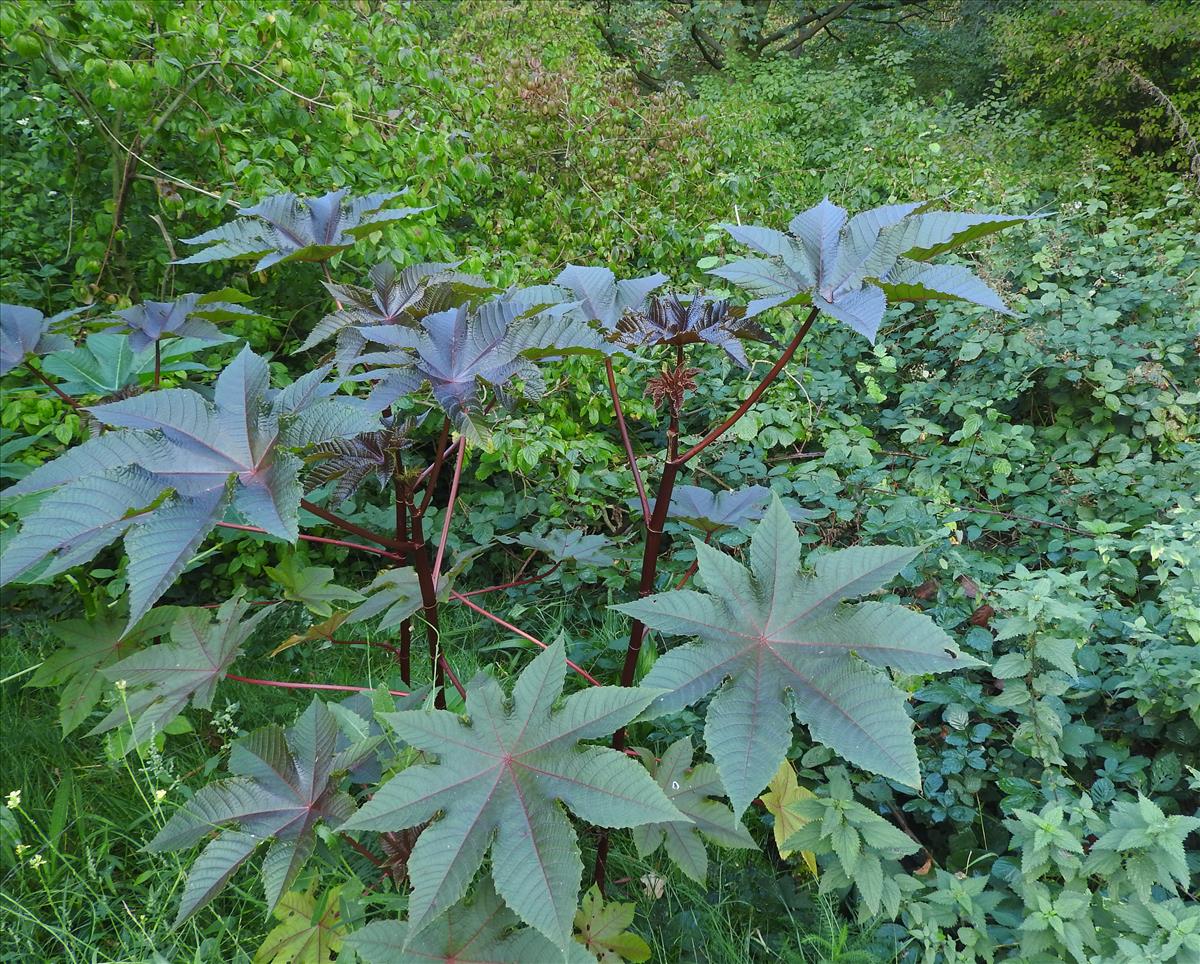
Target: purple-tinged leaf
26 331
774 643
288 228
282 787
501 774
670 320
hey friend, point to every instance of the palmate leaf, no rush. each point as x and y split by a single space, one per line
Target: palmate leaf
394 298
311 585
567 545
850 268
496 785
782 793
672 320
26 331
712 512
308 932
479 930
284 227
106 364
188 316
349 462
691 789
601 298
164 482
283 783
603 928
774 643
89 646
458 352
161 680
395 593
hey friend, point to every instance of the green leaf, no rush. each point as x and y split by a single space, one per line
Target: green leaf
691 789
394 592
161 680
281 788
307 933
475 931
603 928
774 643
88 647
496 784
568 545
311 585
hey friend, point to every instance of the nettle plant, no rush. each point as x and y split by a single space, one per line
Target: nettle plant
422 361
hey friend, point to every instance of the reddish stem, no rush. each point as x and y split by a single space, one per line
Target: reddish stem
755 395
401 499
362 850
321 539
348 526
625 440
157 363
429 602
434 470
284 685
54 388
441 552
516 582
520 632
449 671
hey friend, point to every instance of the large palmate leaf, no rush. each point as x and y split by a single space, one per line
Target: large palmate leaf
601 297
284 227
106 364
89 646
480 930
691 789
774 643
188 316
164 482
26 331
283 784
711 512
850 268
458 352
497 783
160 681
395 298
671 320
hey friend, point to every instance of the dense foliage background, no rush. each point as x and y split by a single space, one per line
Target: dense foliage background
1048 461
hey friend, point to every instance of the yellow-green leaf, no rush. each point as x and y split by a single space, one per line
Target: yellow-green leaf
782 791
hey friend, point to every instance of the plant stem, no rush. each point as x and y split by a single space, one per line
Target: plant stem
449 671
516 582
367 642
434 470
755 395
321 539
520 632
348 526
281 684
402 535
625 440
429 602
157 364
441 550
54 388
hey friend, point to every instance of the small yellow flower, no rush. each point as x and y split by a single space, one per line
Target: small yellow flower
14 799
36 861
20 849
121 684
160 795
